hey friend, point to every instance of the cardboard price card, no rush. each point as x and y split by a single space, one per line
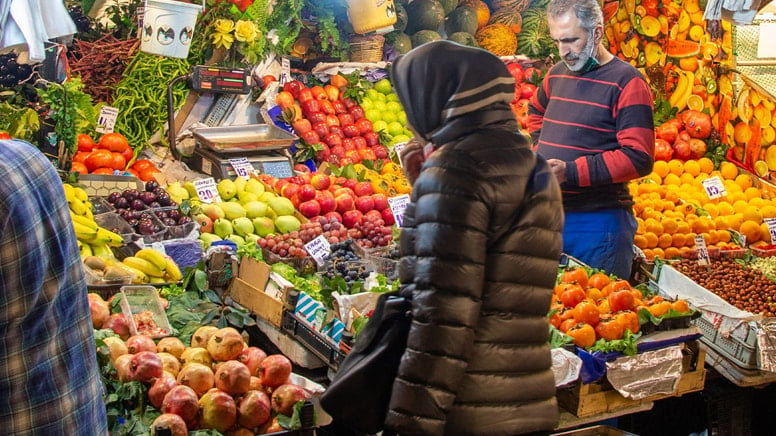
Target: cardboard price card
714 187
703 252
771 223
398 204
207 190
241 166
319 248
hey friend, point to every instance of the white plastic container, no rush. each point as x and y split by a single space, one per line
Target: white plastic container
168 27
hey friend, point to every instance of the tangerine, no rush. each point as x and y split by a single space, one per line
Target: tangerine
661 168
728 170
692 167
751 230
744 181
706 165
675 166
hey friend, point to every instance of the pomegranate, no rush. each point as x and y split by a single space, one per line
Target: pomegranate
233 377
170 363
182 401
682 149
172 424
198 377
271 426
255 384
201 336
159 389
145 367
171 345
116 347
196 355
697 124
122 367
285 396
118 323
225 344
274 370
99 309
667 132
252 357
663 150
217 410
138 343
697 148
253 409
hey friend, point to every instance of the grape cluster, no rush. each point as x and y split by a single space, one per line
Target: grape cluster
11 72
292 244
344 262
371 232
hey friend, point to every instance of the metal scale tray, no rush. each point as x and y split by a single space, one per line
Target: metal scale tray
243 138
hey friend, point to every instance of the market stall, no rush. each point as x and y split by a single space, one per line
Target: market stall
232 175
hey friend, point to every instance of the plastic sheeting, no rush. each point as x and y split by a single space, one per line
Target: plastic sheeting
26 25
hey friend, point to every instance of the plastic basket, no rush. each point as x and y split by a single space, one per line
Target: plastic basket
366 48
317 343
115 223
743 353
100 205
142 302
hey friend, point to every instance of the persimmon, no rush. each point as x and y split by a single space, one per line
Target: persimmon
576 275
598 280
565 325
680 306
629 320
587 312
659 309
572 296
609 328
615 286
583 335
621 299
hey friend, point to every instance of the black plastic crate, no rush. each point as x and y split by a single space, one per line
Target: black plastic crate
318 343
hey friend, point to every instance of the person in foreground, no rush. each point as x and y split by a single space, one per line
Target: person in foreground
480 244
592 118
48 363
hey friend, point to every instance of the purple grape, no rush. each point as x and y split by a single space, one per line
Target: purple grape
174 214
151 185
169 222
185 220
121 203
154 205
147 197
130 194
162 214
164 199
145 226
113 196
138 204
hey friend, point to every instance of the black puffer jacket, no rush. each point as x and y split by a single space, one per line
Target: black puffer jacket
480 246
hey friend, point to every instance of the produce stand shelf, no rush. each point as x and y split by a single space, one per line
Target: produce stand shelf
735 374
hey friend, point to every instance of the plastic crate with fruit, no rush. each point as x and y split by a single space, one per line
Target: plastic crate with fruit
144 311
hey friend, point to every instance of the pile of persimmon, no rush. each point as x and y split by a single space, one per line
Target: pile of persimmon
589 307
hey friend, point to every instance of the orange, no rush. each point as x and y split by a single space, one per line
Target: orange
744 181
672 179
757 201
678 239
664 240
675 166
765 233
692 167
711 209
739 206
734 221
768 211
728 170
640 241
689 239
659 253
752 192
725 208
688 177
752 213
723 235
651 239
661 168
652 225
669 225
672 252
706 165
751 230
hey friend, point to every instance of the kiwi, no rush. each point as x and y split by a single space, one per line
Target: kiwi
95 262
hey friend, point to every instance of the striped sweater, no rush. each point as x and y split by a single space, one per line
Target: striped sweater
599 123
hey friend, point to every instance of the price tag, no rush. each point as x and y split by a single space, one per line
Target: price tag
319 248
241 166
398 204
714 187
107 119
771 223
398 148
285 70
703 253
206 190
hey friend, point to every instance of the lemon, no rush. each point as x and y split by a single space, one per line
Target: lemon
761 168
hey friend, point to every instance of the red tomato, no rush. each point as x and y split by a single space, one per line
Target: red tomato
5 135
103 171
79 167
99 158
80 156
142 164
85 142
148 173
114 142
118 162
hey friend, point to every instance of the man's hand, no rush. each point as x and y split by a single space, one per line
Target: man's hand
558 168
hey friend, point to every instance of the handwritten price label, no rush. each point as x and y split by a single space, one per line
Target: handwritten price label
398 204
714 187
319 248
771 223
206 190
107 119
241 166
703 253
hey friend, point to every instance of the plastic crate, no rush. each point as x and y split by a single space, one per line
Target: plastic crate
178 231
115 223
100 205
742 352
319 344
139 299
761 252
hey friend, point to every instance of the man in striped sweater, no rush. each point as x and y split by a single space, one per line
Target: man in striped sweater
592 119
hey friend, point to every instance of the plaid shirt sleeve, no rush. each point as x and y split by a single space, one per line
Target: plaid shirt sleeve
48 368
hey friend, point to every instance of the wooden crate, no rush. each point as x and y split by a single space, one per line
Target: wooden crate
584 400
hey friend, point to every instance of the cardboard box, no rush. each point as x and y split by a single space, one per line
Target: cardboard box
254 272
257 301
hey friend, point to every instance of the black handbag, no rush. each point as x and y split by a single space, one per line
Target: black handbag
360 390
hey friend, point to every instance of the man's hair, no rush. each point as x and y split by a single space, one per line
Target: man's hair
588 12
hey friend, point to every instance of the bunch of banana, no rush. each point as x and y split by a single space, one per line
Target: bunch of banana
151 266
683 90
93 240
78 200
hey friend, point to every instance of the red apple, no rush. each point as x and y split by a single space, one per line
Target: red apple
319 93
332 216
373 215
344 189
359 142
364 203
326 202
293 86
337 130
364 126
310 137
289 189
388 216
344 202
307 191
349 102
320 181
363 188
324 153
311 106
381 152
380 200
304 95
348 144
357 112
350 130
332 92
295 200
321 128
351 218
338 150
339 107
345 119
327 107
372 138
316 117
333 140
310 208
278 184
301 168
332 120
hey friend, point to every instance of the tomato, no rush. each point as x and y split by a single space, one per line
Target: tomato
103 171
99 158
142 164
128 153
629 320
133 172
621 299
79 167
114 142
4 135
118 162
148 174
85 142
586 312
680 306
572 296
609 328
583 335
80 156
598 280
575 275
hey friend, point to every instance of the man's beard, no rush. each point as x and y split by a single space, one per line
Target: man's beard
582 57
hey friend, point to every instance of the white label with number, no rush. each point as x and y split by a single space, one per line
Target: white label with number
771 223
319 248
107 119
398 204
703 253
714 187
207 190
241 166
285 70
398 148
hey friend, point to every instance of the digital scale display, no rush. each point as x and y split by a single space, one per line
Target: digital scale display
210 163
219 80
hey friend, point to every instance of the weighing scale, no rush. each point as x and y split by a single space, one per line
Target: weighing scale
264 146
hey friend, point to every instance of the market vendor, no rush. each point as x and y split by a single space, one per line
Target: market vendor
592 118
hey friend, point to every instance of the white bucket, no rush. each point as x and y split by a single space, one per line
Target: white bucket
168 27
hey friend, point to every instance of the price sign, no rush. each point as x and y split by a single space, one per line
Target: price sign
703 253
206 190
714 187
398 204
398 148
107 119
771 223
241 166
285 70
319 248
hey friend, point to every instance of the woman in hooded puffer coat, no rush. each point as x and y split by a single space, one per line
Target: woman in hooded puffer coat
480 246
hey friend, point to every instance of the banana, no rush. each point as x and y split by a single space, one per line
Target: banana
143 265
140 276
154 256
156 280
69 191
80 219
679 90
172 272
744 106
111 238
77 206
101 250
80 193
84 233
86 249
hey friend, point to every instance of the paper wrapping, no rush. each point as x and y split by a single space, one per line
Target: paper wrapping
646 374
350 306
314 390
565 366
766 344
